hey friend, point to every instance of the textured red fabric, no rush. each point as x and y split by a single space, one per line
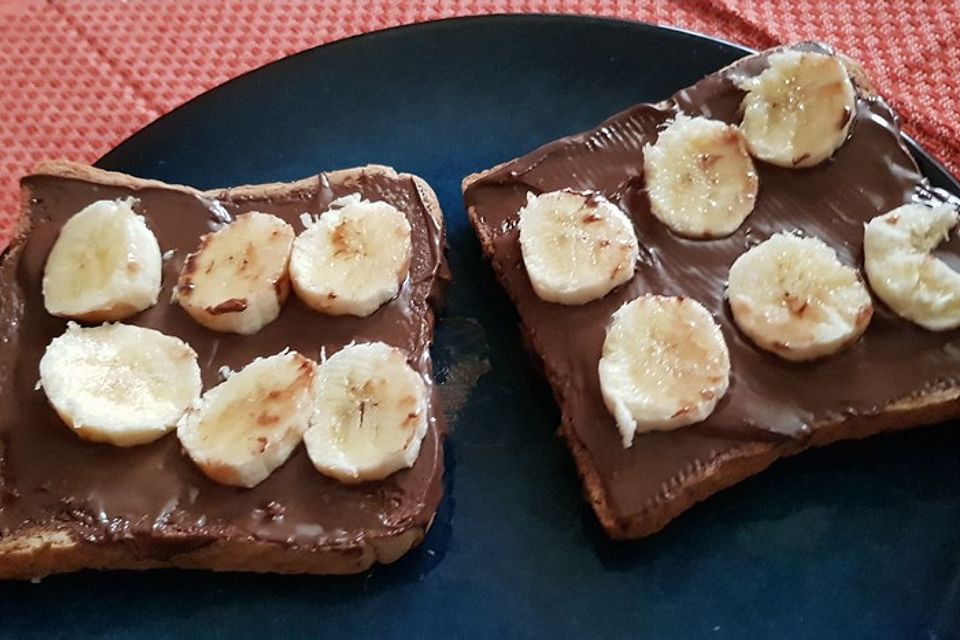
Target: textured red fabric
79 76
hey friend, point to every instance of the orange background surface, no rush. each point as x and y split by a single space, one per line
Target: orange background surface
79 76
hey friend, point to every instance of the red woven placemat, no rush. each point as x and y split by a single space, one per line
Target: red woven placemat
77 77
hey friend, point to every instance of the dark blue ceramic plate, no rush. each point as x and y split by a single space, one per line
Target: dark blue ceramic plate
859 540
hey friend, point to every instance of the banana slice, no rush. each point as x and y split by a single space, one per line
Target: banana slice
237 280
105 265
118 383
902 272
700 178
798 111
370 416
353 258
577 247
247 426
665 365
792 296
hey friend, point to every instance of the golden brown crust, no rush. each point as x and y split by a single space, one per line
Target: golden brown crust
750 459
79 171
45 550
41 552
76 170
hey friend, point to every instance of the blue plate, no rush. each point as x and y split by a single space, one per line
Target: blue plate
859 540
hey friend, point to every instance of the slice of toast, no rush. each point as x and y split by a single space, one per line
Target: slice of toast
68 504
897 376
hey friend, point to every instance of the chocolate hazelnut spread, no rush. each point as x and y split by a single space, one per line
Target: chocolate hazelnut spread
769 399
152 497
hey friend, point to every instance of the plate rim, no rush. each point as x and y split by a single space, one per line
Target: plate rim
556 18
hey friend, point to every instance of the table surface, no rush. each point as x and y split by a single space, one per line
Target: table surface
79 76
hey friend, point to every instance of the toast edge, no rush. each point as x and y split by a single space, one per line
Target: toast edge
739 463
40 551
750 458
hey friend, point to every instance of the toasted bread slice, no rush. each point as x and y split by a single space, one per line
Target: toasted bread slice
896 377
68 504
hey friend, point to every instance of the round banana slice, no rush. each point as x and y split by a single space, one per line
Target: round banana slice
798 111
370 415
902 272
119 384
793 297
576 247
105 265
700 178
665 365
353 258
247 426
237 281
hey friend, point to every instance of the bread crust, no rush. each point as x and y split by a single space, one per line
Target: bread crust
689 487
736 464
42 550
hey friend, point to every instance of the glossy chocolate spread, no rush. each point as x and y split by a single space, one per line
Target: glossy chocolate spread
769 399
152 497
